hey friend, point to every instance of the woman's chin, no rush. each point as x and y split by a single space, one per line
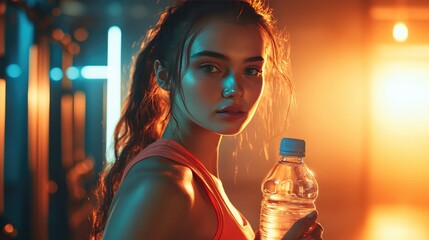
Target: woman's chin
231 132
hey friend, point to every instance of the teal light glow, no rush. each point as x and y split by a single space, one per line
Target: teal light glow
94 72
56 74
13 71
113 102
72 73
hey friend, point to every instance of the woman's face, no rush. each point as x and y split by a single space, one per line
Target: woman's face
222 83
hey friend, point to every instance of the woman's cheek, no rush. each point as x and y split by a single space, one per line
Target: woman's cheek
199 89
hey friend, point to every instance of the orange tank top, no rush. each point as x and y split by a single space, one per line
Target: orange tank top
228 228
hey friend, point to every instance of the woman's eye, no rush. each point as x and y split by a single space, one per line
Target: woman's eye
209 68
252 71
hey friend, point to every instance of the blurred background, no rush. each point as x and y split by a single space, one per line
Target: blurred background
361 76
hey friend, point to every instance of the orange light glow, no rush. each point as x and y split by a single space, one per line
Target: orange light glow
399 124
67 130
400 32
73 48
2 8
79 108
391 12
2 131
8 228
57 34
38 135
401 90
52 187
81 34
66 39
397 223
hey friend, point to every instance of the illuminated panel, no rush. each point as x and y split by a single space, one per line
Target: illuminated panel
113 98
399 150
111 72
94 72
38 135
392 13
2 131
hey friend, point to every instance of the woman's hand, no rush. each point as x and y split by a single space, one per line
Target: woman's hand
305 228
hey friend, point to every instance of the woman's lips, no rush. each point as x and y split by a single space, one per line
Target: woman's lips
235 115
231 112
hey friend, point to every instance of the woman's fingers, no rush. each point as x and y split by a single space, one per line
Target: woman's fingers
315 232
310 238
318 230
300 227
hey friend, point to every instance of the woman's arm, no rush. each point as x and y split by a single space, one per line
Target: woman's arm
152 203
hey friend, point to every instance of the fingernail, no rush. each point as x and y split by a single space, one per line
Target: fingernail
311 215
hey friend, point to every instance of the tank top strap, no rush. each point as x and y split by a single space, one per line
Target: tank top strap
174 151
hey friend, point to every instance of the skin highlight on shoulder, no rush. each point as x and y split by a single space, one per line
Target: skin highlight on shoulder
154 201
158 166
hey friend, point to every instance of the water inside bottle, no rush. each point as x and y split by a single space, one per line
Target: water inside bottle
279 213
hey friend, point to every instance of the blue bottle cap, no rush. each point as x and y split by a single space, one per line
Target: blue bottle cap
292 147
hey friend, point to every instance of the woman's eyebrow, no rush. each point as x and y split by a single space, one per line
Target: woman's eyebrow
224 57
254 59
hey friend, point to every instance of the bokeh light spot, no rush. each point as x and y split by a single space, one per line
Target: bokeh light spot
56 74
72 73
13 70
400 32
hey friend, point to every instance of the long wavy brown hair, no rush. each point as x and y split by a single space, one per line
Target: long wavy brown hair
146 110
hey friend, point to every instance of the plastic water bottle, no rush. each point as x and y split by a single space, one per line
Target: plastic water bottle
289 191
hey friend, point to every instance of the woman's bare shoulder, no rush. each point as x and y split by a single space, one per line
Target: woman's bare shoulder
152 202
158 167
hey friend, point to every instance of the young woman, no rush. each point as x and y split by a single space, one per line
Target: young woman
200 75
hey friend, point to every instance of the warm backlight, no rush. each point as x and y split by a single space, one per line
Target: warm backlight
398 150
401 90
400 32
397 223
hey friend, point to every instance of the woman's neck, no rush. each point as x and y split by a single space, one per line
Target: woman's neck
202 143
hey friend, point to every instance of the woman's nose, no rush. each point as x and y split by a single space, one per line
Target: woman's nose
232 87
